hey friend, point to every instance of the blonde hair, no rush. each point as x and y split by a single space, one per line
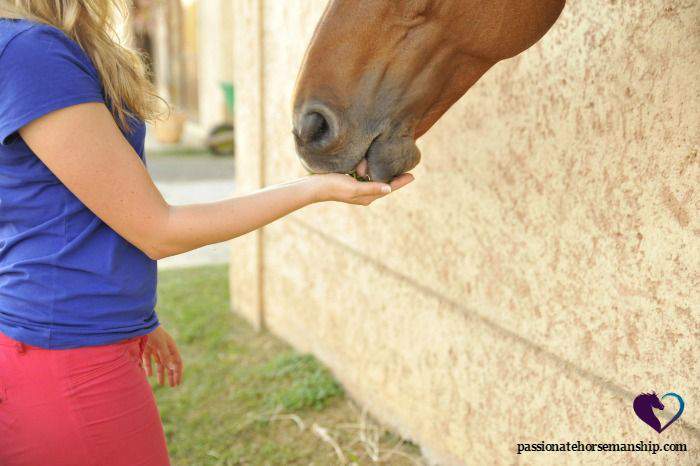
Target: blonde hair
91 23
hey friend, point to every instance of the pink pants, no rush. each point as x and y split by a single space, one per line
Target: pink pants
86 406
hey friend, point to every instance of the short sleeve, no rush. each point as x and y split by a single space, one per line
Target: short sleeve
42 70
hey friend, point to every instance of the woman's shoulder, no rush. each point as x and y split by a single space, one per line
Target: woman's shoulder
25 39
10 29
41 70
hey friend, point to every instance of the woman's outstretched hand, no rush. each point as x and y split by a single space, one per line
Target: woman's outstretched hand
345 188
161 347
126 198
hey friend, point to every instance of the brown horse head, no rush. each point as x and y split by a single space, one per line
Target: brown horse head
379 73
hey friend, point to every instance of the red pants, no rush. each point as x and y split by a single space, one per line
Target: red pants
77 407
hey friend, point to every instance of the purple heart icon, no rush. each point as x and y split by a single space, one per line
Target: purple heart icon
644 406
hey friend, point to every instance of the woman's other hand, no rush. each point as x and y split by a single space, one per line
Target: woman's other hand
162 349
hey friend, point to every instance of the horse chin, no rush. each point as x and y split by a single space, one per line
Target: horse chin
389 158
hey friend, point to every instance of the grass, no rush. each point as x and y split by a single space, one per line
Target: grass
250 399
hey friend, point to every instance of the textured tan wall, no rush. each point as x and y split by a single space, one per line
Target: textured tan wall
542 270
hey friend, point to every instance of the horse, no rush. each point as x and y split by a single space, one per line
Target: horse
379 73
643 405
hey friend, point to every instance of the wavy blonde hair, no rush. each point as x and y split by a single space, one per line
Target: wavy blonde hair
91 23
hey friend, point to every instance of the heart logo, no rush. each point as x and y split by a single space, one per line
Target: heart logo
645 404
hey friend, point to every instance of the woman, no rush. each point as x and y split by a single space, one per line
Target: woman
81 228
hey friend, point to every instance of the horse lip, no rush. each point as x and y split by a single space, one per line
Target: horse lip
371 145
366 154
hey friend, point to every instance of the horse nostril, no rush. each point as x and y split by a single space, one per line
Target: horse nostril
313 127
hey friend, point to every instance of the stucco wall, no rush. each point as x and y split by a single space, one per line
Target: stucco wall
543 269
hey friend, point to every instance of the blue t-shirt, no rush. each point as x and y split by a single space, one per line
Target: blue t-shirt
67 280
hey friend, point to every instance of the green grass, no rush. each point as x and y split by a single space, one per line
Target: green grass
250 399
301 383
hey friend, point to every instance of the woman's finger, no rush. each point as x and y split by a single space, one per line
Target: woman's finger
372 188
376 190
147 364
160 368
401 181
397 183
177 360
171 376
169 363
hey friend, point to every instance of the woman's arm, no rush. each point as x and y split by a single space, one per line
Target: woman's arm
84 148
